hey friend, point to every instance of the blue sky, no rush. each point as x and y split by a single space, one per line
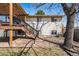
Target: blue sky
31 9
56 9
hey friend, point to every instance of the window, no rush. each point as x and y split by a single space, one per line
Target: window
2 18
54 32
53 19
39 20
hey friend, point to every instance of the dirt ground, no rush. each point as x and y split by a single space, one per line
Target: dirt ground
47 46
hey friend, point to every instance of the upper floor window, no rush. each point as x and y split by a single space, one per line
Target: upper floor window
53 19
39 20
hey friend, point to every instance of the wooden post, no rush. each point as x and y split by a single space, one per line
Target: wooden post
11 22
25 18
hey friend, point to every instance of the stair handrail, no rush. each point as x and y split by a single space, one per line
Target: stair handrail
30 26
36 35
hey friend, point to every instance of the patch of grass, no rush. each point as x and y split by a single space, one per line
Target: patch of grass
54 51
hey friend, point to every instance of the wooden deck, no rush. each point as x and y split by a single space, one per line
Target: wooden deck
6 26
16 27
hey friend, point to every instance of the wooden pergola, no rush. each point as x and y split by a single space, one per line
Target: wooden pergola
11 10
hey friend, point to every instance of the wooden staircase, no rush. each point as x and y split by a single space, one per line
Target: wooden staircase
29 30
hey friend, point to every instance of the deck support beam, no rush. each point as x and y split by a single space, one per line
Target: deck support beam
11 22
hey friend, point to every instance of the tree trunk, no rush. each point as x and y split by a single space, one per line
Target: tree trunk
70 13
68 42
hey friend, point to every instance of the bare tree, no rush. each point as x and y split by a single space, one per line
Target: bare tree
70 11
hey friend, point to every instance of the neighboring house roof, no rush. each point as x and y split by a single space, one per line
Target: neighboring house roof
46 16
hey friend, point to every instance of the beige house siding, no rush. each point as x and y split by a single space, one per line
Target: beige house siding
48 26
